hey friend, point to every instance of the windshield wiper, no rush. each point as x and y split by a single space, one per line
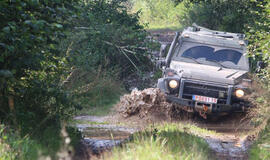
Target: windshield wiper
221 65
194 59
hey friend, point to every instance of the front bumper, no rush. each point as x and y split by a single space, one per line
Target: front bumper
209 108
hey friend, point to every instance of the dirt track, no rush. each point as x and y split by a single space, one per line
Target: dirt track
141 108
233 136
231 141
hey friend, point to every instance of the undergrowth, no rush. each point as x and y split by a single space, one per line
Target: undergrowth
261 118
261 148
95 91
13 146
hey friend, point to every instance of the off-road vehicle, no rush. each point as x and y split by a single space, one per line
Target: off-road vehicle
206 71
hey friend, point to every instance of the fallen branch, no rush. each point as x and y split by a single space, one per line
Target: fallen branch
122 49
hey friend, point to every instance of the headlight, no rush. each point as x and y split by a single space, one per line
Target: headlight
239 93
173 84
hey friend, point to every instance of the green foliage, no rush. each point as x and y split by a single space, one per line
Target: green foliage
168 141
107 36
30 31
41 40
225 15
31 66
96 94
259 36
159 14
13 147
260 149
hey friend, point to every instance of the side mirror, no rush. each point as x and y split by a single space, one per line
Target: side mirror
162 52
259 65
161 63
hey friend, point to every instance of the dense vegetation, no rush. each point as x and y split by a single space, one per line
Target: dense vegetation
54 54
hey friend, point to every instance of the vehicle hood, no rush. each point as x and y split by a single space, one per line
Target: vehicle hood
208 73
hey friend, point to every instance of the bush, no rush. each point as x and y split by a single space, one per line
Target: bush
158 13
224 15
32 101
95 94
107 36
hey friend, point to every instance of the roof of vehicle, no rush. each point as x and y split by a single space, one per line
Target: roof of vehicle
203 35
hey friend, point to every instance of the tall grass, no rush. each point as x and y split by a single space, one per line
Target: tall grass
260 149
169 141
15 147
261 118
12 146
96 91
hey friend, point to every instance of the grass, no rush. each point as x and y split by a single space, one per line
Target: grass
12 146
101 109
261 120
96 95
156 27
167 141
86 122
15 147
261 148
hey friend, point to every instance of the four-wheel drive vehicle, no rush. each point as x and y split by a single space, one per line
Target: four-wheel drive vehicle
206 71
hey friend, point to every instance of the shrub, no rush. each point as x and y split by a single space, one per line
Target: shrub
107 36
158 13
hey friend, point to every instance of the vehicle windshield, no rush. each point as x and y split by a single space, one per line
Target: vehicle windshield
211 55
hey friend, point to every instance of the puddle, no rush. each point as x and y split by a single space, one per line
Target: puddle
233 149
100 137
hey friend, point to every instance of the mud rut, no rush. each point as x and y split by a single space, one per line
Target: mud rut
231 141
233 137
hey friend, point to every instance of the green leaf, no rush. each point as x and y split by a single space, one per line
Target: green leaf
58 25
5 73
3 45
6 29
28 22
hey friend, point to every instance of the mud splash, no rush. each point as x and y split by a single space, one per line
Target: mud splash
145 104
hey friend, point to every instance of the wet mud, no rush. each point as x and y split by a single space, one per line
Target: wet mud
232 140
101 137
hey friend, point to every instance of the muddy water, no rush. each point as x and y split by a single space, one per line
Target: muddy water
100 137
231 141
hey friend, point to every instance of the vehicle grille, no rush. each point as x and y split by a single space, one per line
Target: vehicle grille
204 90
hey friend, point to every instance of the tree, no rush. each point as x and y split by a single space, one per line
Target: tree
226 15
31 65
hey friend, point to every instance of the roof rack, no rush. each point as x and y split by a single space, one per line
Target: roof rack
206 31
